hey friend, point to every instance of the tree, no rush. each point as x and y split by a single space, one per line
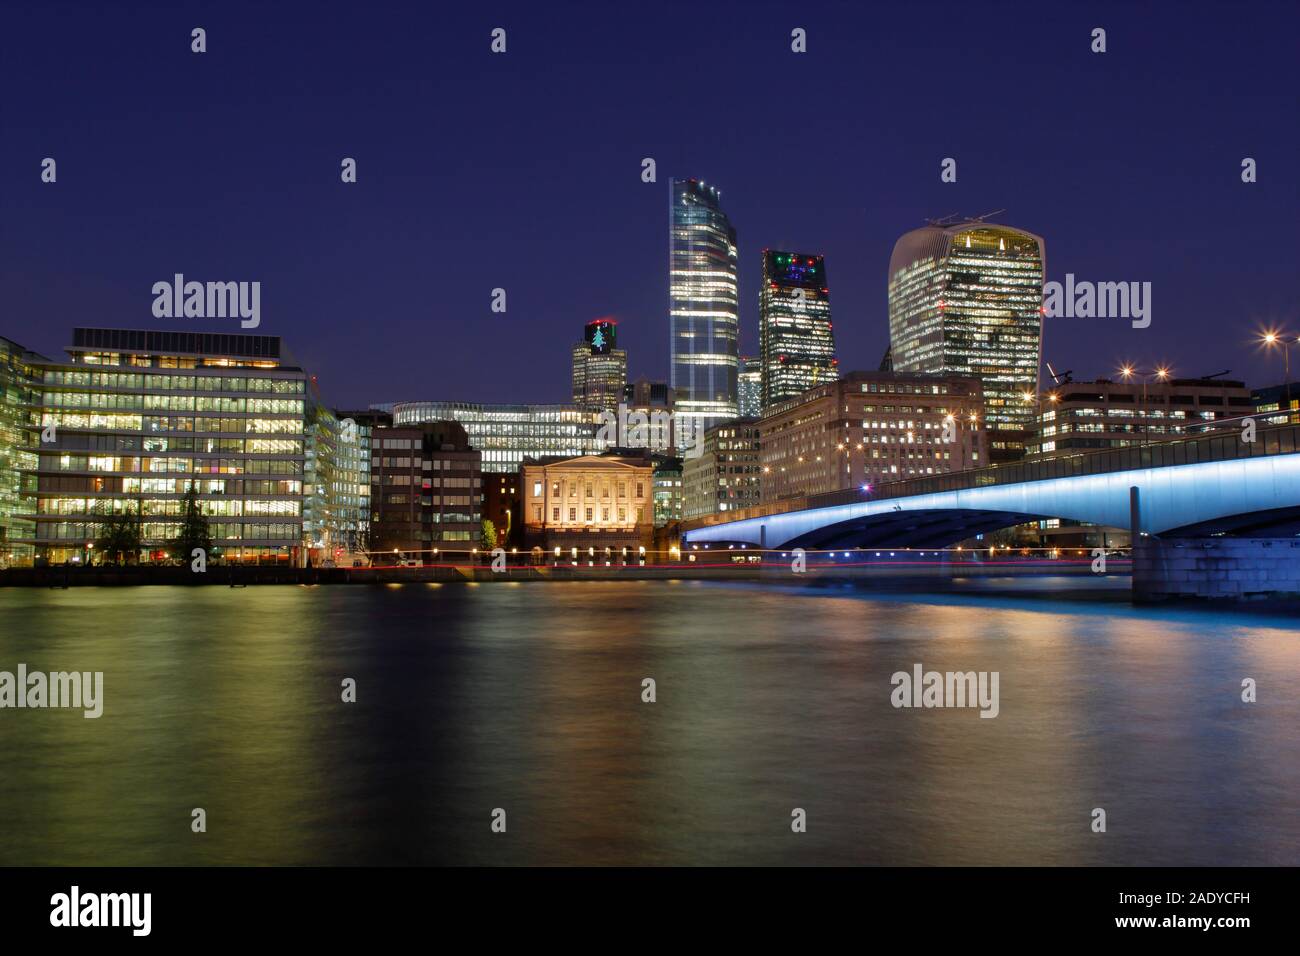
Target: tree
489 534
119 538
195 530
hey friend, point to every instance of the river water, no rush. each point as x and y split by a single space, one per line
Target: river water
527 697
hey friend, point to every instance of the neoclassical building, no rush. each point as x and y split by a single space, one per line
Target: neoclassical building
591 502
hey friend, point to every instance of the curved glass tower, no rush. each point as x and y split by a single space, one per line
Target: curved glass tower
966 298
703 303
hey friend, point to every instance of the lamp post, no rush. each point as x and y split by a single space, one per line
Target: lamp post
1271 339
1161 374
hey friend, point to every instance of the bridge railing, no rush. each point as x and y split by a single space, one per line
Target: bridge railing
1189 450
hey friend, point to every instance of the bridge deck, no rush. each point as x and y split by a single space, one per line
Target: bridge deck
1220 446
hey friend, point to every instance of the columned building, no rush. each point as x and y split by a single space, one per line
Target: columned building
796 340
869 428
703 303
966 298
591 503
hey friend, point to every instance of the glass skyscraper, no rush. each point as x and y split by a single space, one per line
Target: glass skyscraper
966 298
795 339
703 304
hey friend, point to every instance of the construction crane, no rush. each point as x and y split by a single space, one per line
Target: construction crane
1063 378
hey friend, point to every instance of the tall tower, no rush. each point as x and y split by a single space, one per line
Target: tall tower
795 339
599 366
703 304
966 298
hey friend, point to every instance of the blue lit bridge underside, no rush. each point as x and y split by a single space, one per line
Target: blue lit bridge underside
1254 497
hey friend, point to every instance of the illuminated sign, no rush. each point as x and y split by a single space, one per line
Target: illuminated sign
602 336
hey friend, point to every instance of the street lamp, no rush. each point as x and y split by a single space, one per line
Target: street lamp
1160 373
1271 339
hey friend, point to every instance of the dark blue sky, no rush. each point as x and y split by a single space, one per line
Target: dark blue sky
523 170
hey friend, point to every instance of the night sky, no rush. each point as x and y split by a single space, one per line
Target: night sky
522 170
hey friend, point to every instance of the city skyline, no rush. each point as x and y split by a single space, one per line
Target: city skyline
371 258
715 434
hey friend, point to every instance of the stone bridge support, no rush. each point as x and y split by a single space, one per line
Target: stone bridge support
1217 568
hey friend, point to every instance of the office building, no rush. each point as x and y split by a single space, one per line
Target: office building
669 498
599 367
647 396
19 391
352 481
425 492
1282 401
796 339
142 417
869 428
751 387
507 434
966 298
703 303
1085 416
727 476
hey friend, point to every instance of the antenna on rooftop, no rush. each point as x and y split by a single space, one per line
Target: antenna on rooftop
944 221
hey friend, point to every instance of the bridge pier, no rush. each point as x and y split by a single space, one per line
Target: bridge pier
1217 568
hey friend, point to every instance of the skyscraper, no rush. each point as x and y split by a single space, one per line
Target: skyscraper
751 387
599 366
966 298
703 304
796 343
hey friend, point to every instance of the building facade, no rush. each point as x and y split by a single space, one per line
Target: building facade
352 481
728 475
136 419
589 503
501 506
703 307
669 498
599 367
751 387
869 428
1280 402
19 391
967 299
1085 416
425 493
796 339
507 434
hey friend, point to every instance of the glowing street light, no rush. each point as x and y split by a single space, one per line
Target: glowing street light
1272 339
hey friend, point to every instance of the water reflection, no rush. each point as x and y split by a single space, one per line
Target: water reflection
528 697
